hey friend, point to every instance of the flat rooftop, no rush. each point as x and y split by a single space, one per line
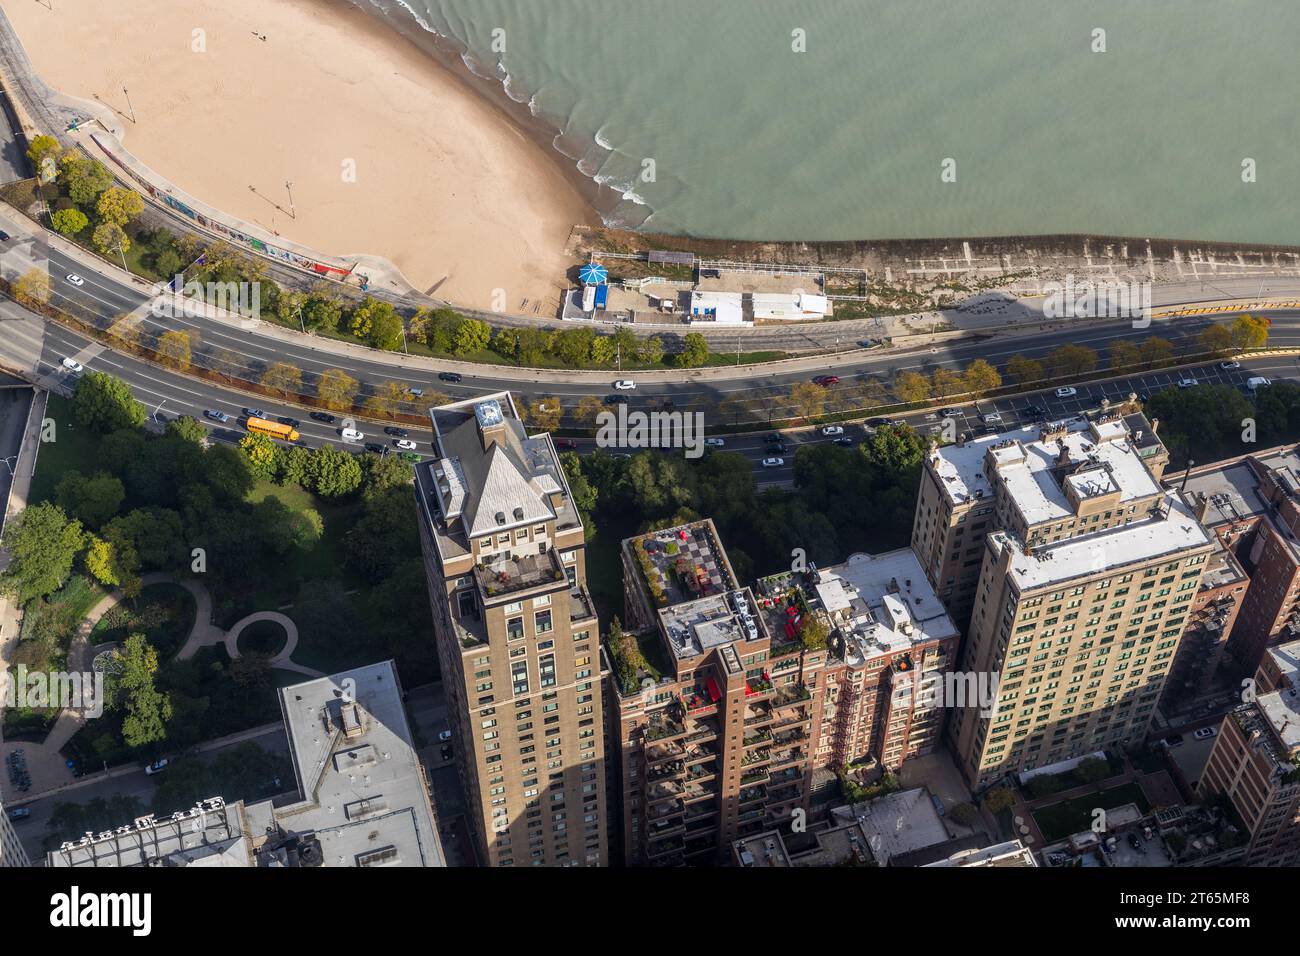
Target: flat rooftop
1101 457
688 561
882 604
210 834
709 623
1169 535
896 823
362 789
1287 658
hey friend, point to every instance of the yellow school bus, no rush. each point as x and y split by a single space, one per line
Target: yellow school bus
274 429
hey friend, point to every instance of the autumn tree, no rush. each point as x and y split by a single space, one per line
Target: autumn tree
1024 370
808 399
174 349
336 389
283 379
981 377
911 387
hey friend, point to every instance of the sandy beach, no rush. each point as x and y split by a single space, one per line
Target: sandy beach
445 186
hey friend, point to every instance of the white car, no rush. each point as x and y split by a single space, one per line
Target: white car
75 279
773 462
404 443
1205 733
1066 392
1229 366
445 736
351 434
1187 383
158 766
714 442
830 430
72 365
625 385
992 418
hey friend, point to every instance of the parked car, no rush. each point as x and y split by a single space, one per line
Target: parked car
842 440
566 443
325 417
1033 411
417 392
1067 391
374 446
1174 740
992 418
1229 366
254 413
450 376
615 399
216 416
405 444
158 766
773 462
287 420
19 813
830 430
410 456
950 413
444 736
75 279
938 804
625 384
1187 382
715 442
826 381
351 434
396 432
1205 733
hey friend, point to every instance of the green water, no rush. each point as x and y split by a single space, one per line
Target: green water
847 140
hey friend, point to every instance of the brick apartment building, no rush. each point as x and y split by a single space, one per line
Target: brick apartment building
1255 762
517 636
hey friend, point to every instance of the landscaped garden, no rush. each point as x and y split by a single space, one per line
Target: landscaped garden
1058 821
263 637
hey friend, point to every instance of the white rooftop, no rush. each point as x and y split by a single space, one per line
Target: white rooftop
1172 534
1281 709
1287 658
1024 463
883 603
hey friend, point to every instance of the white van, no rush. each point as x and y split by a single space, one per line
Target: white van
1256 382
351 434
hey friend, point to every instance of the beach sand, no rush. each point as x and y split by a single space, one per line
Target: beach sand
445 185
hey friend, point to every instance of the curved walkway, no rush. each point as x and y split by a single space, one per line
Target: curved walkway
45 762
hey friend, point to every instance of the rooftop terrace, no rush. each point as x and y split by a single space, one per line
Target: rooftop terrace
711 623
683 563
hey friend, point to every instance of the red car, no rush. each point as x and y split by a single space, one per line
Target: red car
826 381
566 443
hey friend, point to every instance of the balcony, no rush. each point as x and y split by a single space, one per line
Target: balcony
758 775
662 771
581 607
789 737
700 752
697 792
758 686
663 728
702 730
789 757
663 790
665 810
756 757
758 737
507 575
788 696
663 751
662 848
701 772
697 703
758 714
750 794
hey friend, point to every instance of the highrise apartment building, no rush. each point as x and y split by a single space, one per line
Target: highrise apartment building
1088 569
712 721
1255 763
517 636
11 850
967 493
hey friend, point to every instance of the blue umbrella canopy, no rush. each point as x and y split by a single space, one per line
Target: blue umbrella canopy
593 273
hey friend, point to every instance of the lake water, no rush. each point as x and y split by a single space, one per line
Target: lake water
701 114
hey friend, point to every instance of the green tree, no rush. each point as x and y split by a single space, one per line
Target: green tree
283 379
132 691
333 473
321 312
981 377
69 221
104 403
263 456
110 239
101 562
695 351
45 152
187 429
471 336
1024 370
92 501
650 350
1249 332
84 178
1071 361
118 206
42 542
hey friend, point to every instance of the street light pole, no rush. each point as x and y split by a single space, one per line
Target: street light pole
128 103
289 188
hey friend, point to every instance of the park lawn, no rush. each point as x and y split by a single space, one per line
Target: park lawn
1059 820
75 448
324 560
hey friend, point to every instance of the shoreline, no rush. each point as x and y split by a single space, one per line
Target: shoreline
450 56
444 182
